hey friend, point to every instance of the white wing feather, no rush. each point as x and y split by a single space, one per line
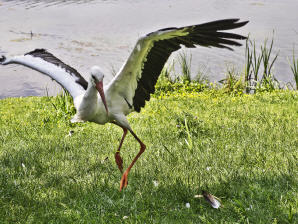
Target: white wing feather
55 72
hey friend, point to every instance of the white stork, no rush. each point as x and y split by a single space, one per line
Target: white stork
135 81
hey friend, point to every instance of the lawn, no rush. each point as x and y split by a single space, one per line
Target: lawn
242 149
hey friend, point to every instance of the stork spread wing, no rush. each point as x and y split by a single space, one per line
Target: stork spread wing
46 63
137 78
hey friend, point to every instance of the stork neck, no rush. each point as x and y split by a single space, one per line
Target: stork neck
91 92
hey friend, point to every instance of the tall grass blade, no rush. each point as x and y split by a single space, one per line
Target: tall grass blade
257 59
189 138
185 64
248 64
294 68
266 54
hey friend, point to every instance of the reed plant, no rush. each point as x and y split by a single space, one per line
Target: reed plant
294 68
185 74
248 64
256 63
252 65
268 80
267 63
257 76
185 62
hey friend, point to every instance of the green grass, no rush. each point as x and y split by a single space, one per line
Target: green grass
242 149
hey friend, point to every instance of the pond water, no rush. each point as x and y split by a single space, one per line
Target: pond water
103 32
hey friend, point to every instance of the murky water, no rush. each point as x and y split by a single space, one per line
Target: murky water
83 33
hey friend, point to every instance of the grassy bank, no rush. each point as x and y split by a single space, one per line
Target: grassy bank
243 149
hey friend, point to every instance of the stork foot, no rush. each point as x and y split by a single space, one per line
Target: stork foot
119 161
124 180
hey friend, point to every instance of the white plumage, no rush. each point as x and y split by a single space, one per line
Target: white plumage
132 86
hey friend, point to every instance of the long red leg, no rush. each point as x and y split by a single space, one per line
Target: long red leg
123 181
118 158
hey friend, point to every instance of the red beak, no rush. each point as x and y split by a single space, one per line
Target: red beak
99 87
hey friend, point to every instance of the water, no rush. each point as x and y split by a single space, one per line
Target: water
103 32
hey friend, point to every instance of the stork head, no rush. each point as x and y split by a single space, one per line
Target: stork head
96 74
96 80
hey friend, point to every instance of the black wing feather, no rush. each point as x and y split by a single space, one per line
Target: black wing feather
206 34
45 55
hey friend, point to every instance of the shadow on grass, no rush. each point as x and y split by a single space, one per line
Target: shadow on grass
67 199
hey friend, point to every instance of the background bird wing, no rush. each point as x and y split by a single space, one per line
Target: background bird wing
137 78
46 63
